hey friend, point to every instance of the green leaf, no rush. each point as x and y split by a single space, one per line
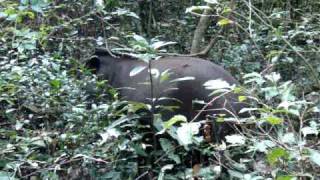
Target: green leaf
165 75
197 9
175 119
2 164
289 138
38 141
218 84
5 176
236 139
242 98
224 22
235 174
163 169
273 77
226 10
109 134
141 40
212 1
169 148
262 146
56 84
139 150
276 154
253 77
285 178
166 144
315 156
309 131
274 120
161 44
186 133
270 92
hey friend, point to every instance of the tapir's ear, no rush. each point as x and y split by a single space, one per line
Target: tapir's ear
93 64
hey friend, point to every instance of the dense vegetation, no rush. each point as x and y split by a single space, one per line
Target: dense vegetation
59 121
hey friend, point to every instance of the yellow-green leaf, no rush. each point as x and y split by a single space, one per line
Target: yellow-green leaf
286 177
224 22
242 98
174 120
275 154
274 120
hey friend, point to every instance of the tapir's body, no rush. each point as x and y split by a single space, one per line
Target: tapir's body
196 72
177 81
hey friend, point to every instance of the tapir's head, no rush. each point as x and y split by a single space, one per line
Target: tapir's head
102 64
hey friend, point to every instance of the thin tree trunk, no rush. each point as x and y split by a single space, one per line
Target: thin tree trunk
200 32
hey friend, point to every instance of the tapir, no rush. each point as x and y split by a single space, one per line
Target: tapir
175 82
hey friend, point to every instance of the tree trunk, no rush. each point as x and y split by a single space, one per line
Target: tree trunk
200 32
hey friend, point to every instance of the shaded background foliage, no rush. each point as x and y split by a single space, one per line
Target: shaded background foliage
54 114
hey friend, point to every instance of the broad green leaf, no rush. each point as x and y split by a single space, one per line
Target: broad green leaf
287 92
99 3
243 110
166 144
175 119
125 12
253 77
6 176
275 154
309 131
274 120
38 141
132 14
273 53
235 174
262 146
18 125
3 163
209 172
286 178
187 131
109 134
197 9
140 39
273 77
169 148
217 84
163 169
314 156
242 98
270 92
226 10
236 139
289 138
211 1
18 70
165 75
161 44
224 22
139 149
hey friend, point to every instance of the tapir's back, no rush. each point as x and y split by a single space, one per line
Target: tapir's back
179 78
194 72
200 69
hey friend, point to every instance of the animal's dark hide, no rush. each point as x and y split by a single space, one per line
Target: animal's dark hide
177 81
167 91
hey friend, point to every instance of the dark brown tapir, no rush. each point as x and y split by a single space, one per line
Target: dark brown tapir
177 81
